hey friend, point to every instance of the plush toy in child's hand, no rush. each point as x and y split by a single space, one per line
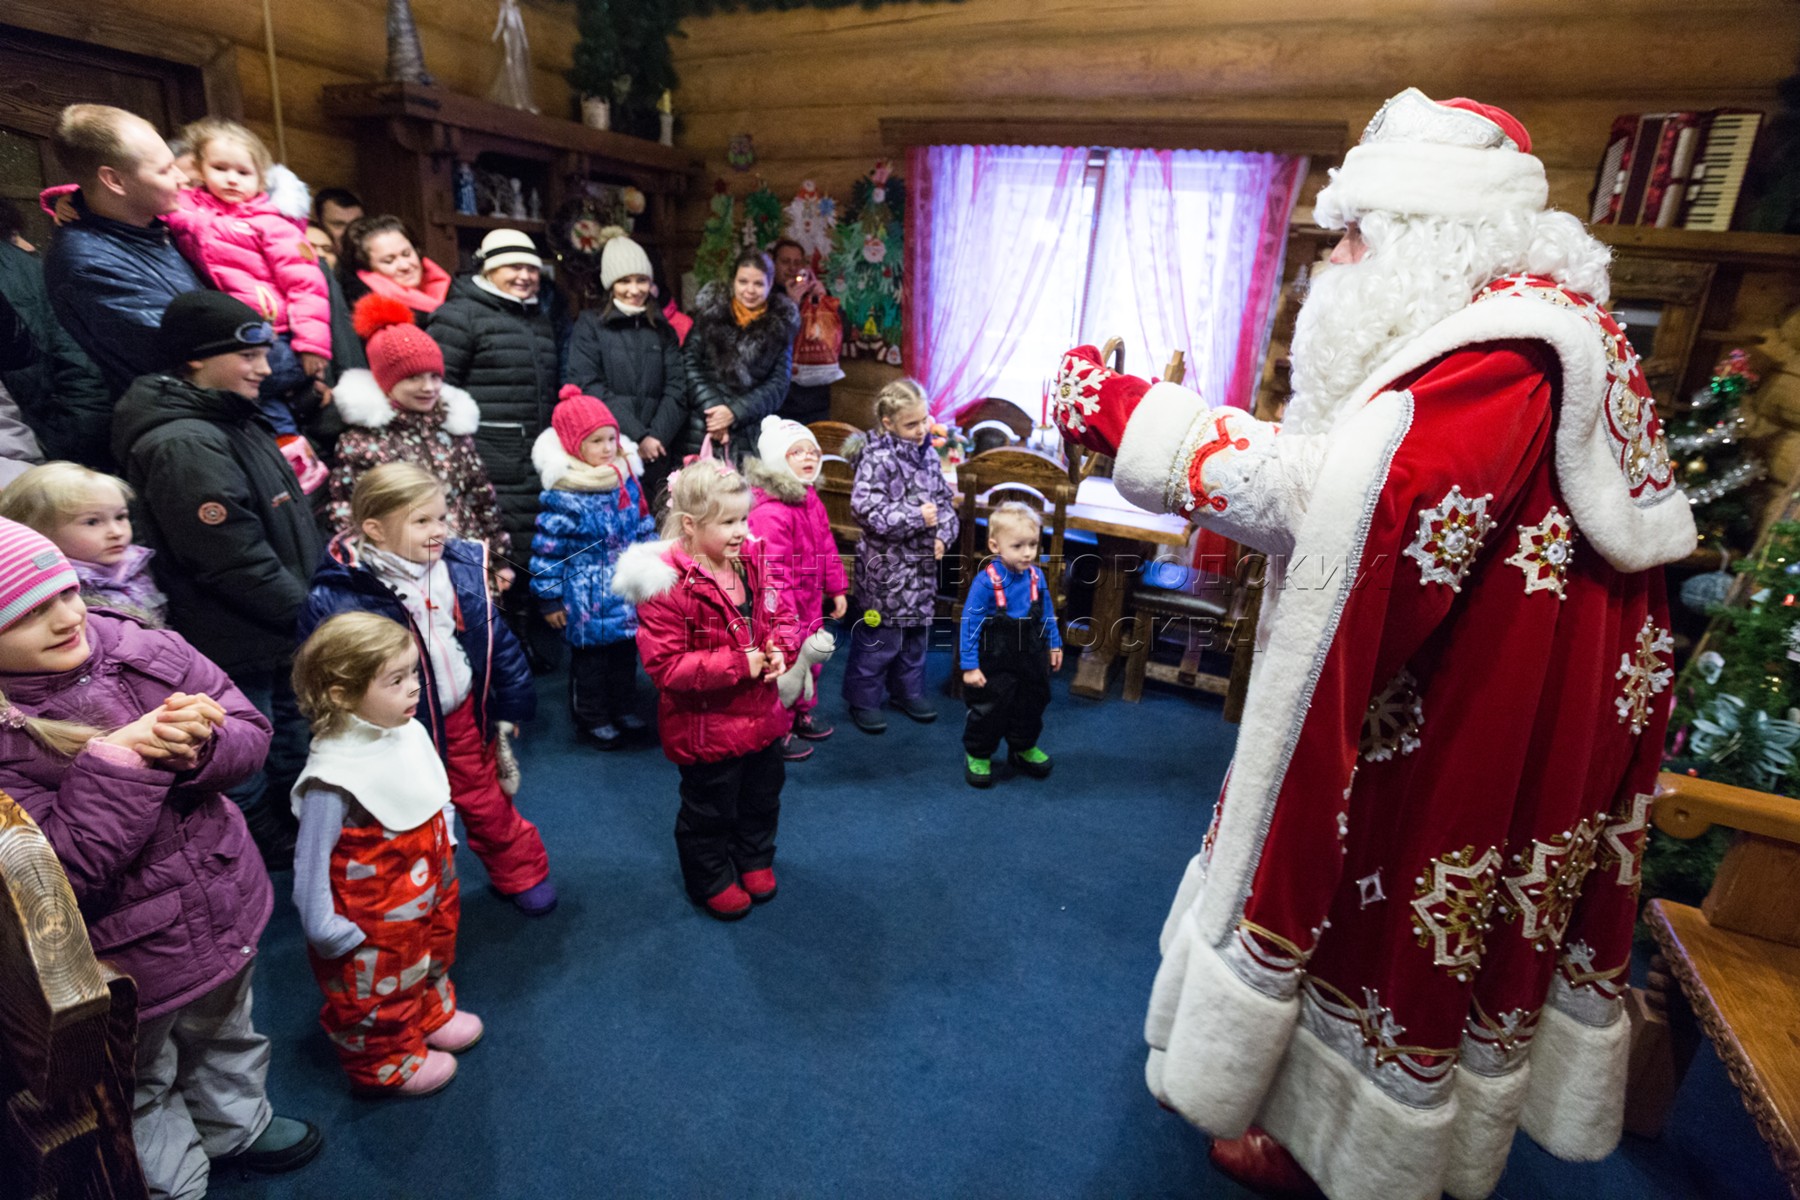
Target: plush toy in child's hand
797 682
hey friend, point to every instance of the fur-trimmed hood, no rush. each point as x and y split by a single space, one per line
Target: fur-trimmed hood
739 355
644 571
778 481
555 465
361 402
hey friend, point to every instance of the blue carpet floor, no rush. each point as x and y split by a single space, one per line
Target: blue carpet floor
945 1000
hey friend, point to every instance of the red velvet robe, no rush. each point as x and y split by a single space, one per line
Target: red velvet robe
1407 933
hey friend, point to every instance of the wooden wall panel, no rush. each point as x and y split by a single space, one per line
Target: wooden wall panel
811 86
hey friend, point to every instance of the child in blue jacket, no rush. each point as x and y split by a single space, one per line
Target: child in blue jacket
592 508
399 561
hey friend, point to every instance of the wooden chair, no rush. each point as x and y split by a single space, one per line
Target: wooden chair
835 481
990 434
989 480
1729 969
995 409
831 435
1214 611
68 1025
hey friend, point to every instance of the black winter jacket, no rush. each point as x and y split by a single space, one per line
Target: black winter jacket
503 353
60 393
234 537
109 283
746 369
634 364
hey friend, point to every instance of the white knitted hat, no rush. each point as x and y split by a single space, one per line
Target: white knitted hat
504 247
1424 157
778 436
621 257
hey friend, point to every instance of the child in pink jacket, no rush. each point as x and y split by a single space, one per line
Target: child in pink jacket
230 229
787 515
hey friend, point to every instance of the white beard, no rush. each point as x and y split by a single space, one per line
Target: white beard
1356 316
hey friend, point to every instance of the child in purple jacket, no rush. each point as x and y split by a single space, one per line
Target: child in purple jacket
118 740
87 515
908 517
787 514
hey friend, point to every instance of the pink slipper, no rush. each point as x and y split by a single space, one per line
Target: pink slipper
433 1075
460 1032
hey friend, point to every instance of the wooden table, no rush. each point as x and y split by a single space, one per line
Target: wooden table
1123 530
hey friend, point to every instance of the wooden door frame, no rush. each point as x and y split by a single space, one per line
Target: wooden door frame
214 57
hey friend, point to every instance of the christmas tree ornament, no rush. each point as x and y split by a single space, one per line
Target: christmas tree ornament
1704 592
1744 742
741 152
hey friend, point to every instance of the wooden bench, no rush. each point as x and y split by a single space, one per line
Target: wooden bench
1729 970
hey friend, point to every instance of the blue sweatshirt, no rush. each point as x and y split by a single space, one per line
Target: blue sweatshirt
981 606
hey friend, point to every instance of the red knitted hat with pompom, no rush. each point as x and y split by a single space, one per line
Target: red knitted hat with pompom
576 416
397 348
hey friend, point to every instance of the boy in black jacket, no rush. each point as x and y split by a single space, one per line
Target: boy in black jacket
234 537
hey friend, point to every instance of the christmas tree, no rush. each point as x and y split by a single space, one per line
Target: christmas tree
866 265
718 239
1717 467
762 218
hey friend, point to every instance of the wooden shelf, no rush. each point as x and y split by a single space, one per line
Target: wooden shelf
1759 249
478 221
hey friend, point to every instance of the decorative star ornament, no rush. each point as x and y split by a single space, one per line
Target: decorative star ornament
1454 902
1544 552
1450 537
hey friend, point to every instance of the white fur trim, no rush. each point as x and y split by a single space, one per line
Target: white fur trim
1224 1039
288 193
1154 450
644 571
1630 537
1356 1141
1575 1107
1487 1117
362 403
550 459
1431 179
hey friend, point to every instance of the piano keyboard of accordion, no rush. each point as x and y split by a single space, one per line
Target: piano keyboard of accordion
1712 196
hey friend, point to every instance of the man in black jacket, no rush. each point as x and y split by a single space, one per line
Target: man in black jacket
59 390
235 540
113 271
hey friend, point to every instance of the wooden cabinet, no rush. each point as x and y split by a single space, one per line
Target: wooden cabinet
410 138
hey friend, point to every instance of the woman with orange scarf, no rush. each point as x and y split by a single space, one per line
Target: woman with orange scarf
739 356
381 255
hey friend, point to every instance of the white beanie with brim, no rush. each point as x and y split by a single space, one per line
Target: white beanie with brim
621 257
778 436
505 248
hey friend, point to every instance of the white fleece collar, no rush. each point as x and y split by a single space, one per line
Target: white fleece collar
362 403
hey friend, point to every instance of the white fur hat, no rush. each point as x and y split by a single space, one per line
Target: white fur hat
778 436
621 257
1425 157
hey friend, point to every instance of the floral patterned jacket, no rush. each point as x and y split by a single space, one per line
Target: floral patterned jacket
440 441
896 568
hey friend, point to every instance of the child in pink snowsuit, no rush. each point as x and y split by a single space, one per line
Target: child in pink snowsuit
787 514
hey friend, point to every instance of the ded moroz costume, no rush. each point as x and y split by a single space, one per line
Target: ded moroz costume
1407 932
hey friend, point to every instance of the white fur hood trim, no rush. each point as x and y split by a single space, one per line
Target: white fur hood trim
644 572
1631 536
553 462
362 403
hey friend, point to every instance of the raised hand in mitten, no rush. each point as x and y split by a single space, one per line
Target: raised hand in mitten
1092 402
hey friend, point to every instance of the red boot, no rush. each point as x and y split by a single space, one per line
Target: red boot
760 884
728 905
1263 1165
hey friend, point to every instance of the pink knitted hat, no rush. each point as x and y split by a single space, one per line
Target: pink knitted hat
577 416
32 570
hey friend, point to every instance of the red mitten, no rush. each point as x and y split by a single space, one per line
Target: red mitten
1092 402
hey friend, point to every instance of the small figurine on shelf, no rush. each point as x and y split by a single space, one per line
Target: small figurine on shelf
465 190
494 188
516 190
536 207
665 112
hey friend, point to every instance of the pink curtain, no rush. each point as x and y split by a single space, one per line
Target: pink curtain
996 244
1189 257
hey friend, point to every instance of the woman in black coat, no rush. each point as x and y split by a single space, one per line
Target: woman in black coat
739 356
500 346
626 354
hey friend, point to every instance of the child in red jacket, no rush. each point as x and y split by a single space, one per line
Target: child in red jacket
714 633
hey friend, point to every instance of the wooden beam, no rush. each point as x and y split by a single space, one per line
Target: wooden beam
1322 139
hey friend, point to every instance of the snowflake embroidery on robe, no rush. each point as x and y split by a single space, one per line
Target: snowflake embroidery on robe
1544 553
1449 538
1544 888
1392 721
1077 391
1645 674
1454 902
1620 846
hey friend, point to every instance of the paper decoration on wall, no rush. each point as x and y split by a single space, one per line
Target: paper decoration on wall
512 86
811 217
741 153
718 238
864 272
762 218
579 232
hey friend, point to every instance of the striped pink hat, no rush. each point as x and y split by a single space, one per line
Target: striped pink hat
32 570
